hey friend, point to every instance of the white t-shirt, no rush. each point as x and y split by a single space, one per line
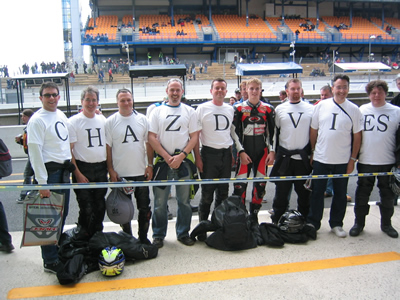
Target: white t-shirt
215 124
294 120
379 134
335 130
173 124
127 137
49 132
89 137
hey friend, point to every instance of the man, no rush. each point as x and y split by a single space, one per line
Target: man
23 140
335 137
254 126
173 134
396 99
50 155
282 95
292 144
88 146
215 160
326 93
243 92
377 154
238 94
127 136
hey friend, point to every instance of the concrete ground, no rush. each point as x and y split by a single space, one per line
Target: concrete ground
364 267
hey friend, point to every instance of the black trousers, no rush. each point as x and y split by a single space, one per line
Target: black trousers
284 188
364 189
217 163
91 202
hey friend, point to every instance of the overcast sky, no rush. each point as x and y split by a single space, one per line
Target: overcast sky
31 31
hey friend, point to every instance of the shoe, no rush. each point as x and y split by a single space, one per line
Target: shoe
186 240
271 212
19 200
7 248
356 230
264 201
170 216
390 231
339 232
348 198
326 195
54 267
158 242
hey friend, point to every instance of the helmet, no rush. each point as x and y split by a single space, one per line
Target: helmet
128 190
291 221
111 261
395 181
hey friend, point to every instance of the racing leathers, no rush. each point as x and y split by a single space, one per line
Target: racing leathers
254 126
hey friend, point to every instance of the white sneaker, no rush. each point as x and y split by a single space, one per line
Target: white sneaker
339 232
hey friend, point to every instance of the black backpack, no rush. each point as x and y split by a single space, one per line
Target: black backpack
233 233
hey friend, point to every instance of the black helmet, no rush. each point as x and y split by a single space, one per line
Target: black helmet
395 181
291 221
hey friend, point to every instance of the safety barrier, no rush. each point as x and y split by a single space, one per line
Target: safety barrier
96 185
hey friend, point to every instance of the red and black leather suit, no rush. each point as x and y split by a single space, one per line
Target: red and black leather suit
254 126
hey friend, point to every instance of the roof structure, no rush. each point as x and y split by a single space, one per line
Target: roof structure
268 69
362 67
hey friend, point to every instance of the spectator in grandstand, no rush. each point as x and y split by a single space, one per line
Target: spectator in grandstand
160 57
396 100
335 137
282 95
292 144
84 67
149 58
381 123
194 73
254 125
127 132
101 75
173 141
205 66
201 67
94 68
50 154
215 158
88 147
22 139
76 68
110 75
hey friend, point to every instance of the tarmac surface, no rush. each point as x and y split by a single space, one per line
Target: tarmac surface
364 267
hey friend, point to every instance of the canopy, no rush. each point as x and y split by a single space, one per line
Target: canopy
267 69
362 67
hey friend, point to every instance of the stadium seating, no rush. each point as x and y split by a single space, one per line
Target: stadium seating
104 25
294 24
234 27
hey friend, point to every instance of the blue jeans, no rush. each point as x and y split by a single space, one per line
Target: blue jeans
50 252
339 201
5 237
329 187
184 214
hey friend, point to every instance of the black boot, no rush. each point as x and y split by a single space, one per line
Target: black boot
358 227
254 209
144 224
203 216
386 221
127 228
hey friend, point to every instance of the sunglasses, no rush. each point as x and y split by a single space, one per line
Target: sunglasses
50 95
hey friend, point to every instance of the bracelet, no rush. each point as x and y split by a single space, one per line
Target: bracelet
150 165
353 159
184 153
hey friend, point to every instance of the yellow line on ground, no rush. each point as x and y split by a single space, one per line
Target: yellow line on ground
12 181
170 280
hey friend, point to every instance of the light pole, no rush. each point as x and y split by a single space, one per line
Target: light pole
371 37
292 45
126 46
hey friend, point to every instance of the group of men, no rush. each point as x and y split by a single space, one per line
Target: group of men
296 138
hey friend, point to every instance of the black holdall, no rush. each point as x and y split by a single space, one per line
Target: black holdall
5 160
